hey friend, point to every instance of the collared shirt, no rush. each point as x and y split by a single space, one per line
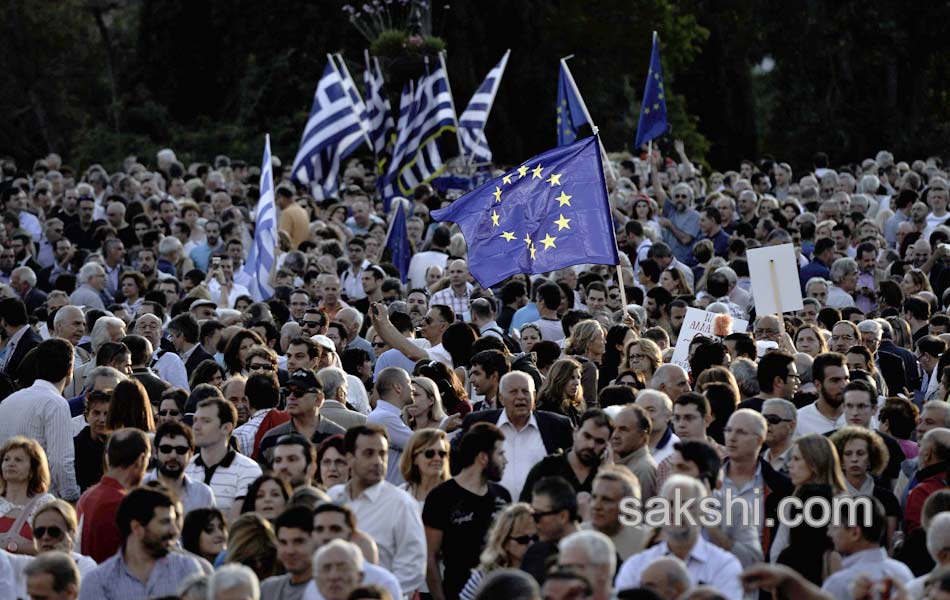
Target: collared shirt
195 494
171 368
390 417
237 290
10 348
372 575
459 303
780 462
392 518
664 447
641 464
99 535
523 448
112 579
687 222
229 479
745 519
838 298
351 283
810 420
112 277
707 565
40 412
872 563
246 433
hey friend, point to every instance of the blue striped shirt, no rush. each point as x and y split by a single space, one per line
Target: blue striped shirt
112 578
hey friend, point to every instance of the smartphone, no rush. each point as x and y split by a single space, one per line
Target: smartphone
215 262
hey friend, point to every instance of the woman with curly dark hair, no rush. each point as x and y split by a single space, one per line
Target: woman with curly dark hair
236 350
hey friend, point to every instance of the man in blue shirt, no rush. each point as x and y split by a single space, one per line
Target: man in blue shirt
201 253
710 225
820 265
680 222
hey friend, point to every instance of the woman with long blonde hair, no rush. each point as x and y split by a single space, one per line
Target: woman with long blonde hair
426 409
561 392
505 545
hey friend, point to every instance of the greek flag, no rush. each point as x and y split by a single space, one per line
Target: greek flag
260 260
350 86
416 158
332 133
377 105
472 122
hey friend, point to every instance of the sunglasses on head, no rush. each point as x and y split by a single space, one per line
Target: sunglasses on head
168 449
54 532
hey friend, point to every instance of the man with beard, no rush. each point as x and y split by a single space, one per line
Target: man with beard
127 456
657 304
831 376
578 466
148 263
462 509
201 253
418 302
64 255
83 231
680 222
175 445
146 565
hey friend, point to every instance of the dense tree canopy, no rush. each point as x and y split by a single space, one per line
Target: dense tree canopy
100 79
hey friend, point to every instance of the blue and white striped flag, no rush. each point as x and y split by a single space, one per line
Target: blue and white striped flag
359 107
472 122
332 133
260 260
377 106
416 157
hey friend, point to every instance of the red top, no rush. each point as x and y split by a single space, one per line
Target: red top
271 420
96 510
917 496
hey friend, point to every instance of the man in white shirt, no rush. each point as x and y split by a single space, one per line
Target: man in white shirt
385 512
827 412
40 412
844 276
224 289
660 408
706 563
168 365
351 280
861 550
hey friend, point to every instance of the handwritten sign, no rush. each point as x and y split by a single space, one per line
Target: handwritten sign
699 322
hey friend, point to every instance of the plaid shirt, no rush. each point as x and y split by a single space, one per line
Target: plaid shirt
461 305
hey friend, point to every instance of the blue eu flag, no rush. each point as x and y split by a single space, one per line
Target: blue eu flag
549 213
398 242
653 121
570 108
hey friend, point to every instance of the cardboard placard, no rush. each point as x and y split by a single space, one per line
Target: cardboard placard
773 271
699 322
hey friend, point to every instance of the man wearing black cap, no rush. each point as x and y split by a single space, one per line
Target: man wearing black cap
304 396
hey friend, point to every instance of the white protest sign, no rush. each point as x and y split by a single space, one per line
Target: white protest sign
701 322
773 271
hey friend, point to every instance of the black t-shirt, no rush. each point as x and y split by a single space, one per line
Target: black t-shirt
556 465
464 519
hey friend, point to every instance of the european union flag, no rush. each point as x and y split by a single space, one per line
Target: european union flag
398 242
653 122
570 108
549 213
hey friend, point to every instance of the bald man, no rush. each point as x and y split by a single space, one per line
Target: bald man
168 365
667 576
458 296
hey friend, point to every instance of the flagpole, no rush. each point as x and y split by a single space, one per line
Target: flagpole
577 93
355 89
448 84
613 233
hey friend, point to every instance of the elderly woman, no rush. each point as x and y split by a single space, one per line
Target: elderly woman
24 481
643 356
863 456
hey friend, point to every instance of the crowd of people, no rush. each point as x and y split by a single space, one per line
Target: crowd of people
366 433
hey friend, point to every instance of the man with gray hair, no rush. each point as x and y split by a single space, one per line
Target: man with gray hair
335 387
23 281
679 220
337 569
52 575
782 418
667 576
844 278
682 537
591 554
932 465
744 370
672 380
352 319
660 408
234 582
168 365
92 280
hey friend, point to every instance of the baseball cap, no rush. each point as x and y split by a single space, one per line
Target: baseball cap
305 380
324 341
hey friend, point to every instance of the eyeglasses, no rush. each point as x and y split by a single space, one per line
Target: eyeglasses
537 516
761 332
430 453
639 357
775 419
168 449
260 367
54 532
171 412
524 540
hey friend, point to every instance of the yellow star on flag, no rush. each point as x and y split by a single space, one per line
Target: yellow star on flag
523 170
656 76
508 235
536 172
494 218
506 179
564 199
533 251
554 179
497 194
527 239
646 110
562 223
548 241
656 107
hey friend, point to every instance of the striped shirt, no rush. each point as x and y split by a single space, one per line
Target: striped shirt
229 479
246 433
461 305
40 412
112 578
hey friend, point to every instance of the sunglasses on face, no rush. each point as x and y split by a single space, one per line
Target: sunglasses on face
524 540
260 367
169 412
537 516
311 324
298 392
168 449
54 532
775 419
379 344
430 453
